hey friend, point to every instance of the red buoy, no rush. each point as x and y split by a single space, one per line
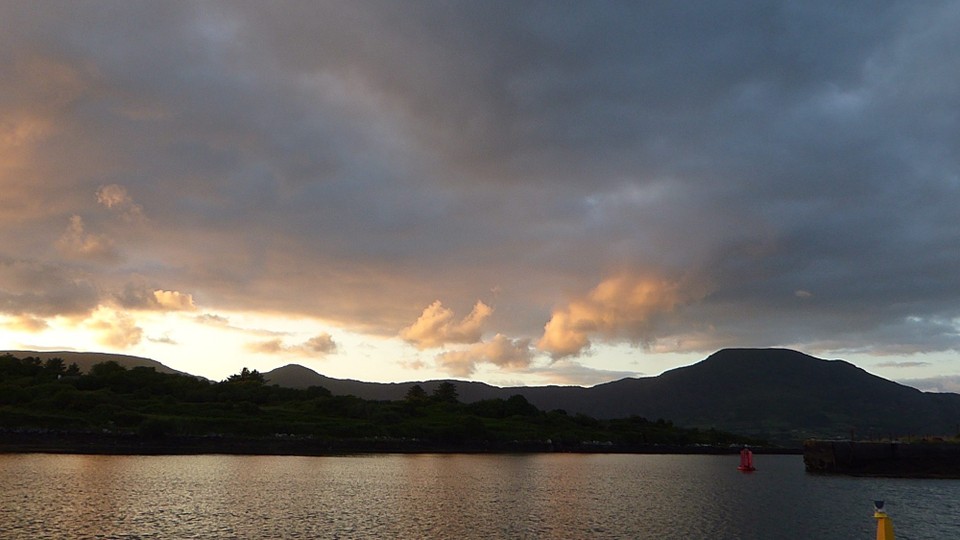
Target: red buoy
746 461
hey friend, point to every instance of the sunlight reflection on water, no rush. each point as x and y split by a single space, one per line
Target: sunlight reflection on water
454 496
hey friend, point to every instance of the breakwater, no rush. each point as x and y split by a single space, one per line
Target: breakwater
924 459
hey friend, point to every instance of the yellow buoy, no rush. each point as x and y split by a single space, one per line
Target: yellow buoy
884 523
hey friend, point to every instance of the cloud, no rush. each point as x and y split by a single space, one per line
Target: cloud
138 295
622 307
164 339
27 323
321 344
271 346
943 383
37 289
115 329
318 346
219 321
436 326
903 364
568 372
174 301
500 351
346 161
115 197
212 319
77 242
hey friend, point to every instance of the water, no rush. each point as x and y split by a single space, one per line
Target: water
455 496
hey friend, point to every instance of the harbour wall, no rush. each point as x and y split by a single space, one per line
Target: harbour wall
925 459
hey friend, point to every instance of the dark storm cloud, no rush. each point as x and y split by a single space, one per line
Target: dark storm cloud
793 165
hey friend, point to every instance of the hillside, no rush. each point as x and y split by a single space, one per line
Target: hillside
44 406
297 376
86 360
772 393
775 393
781 393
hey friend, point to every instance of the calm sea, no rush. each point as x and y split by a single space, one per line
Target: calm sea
456 496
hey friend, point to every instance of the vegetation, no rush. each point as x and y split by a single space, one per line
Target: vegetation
50 396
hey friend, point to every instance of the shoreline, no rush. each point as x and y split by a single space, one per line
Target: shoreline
130 444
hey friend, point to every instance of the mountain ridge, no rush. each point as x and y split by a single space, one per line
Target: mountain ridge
780 394
86 360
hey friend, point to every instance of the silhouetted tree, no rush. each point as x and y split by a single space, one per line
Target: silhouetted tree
104 369
246 375
517 405
31 361
54 366
446 392
416 394
317 391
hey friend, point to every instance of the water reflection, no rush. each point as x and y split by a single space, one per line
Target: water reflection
454 496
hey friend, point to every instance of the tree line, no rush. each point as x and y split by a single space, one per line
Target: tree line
51 396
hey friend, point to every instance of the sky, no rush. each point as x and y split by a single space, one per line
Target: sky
520 193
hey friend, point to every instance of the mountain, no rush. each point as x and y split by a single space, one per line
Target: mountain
86 360
297 376
776 393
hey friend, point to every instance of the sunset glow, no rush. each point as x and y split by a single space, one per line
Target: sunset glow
513 193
